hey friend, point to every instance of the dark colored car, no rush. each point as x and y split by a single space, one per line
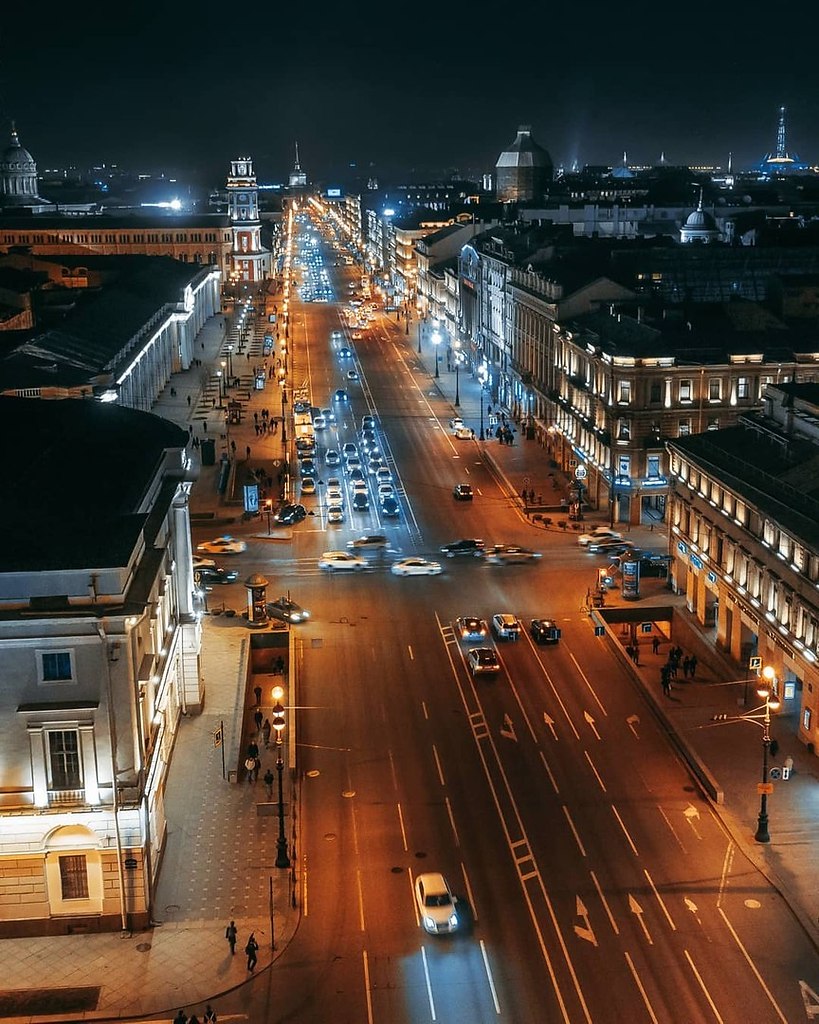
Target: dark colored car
289 611
544 631
467 546
340 395
390 507
462 492
483 661
289 514
214 574
360 501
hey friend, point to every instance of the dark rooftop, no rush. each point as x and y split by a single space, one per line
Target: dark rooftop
74 474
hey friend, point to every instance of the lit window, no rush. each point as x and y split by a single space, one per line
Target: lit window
744 387
714 389
64 759
686 391
684 428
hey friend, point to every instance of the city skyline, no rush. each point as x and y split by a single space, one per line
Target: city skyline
386 98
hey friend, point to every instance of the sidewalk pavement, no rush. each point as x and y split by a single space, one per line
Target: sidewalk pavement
219 857
703 714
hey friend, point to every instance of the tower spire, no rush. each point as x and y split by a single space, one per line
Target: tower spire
296 165
781 147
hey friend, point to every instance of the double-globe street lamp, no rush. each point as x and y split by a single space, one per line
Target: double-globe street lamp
766 689
458 357
282 860
482 381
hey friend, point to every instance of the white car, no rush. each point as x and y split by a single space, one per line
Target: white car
463 433
601 533
383 475
415 567
331 457
335 561
335 514
308 485
223 546
319 423
506 627
455 423
436 904
386 491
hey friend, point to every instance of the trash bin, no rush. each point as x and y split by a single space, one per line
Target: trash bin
233 775
208 447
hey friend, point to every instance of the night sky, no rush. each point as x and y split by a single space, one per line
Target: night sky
408 90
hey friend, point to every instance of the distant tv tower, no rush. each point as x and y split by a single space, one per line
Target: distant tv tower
780 161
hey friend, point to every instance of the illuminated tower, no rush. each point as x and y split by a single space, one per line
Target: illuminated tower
780 161
298 178
250 260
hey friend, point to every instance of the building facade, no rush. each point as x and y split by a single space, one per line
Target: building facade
744 534
99 652
250 260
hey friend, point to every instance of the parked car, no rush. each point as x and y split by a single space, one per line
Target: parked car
467 546
544 631
436 904
455 422
223 546
462 492
290 514
506 626
483 661
286 609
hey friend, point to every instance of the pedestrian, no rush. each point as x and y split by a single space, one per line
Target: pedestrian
204 426
209 1015
189 401
692 665
525 495
250 949
636 649
666 685
672 668
233 447
655 644
258 718
213 403
230 934
247 451
252 749
268 781
685 666
629 651
472 433
257 692
255 417
250 764
266 732
181 1018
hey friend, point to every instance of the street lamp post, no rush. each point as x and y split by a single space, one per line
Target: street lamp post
284 420
219 379
230 360
457 347
766 690
436 341
482 383
268 507
282 860
224 379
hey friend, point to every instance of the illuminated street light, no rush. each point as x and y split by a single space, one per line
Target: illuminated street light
767 691
436 341
282 860
457 347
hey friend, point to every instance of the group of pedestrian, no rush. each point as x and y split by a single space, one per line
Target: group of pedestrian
265 424
633 651
528 497
676 661
251 949
505 434
208 1017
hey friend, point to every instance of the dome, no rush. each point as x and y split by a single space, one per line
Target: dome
523 169
699 226
15 158
700 219
18 175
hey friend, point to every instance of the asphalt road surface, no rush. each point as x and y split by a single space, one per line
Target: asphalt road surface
594 882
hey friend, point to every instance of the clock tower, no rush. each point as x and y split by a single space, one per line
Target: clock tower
251 262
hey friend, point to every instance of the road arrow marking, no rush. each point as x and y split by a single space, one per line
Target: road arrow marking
692 906
551 723
584 932
631 722
637 910
590 723
507 729
692 815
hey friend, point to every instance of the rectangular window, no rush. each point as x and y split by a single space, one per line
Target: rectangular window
624 392
713 423
656 393
624 466
623 430
744 387
715 389
64 759
55 666
684 428
74 878
686 391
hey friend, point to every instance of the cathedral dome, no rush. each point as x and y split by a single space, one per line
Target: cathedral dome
523 169
699 226
18 174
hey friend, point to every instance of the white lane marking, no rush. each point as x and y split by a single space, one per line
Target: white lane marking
469 893
596 773
727 861
424 709
438 764
304 904
555 690
403 830
625 831
605 903
452 821
409 651
489 978
360 900
637 910
412 897
671 828
522 708
590 722
552 779
367 989
660 900
392 770
574 831
691 815
632 721
429 984
752 965
705 991
585 931
642 990
586 681
550 722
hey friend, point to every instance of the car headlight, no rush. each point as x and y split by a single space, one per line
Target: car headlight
429 924
453 920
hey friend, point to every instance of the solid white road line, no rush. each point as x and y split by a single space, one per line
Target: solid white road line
660 900
643 992
489 978
438 765
360 900
429 984
452 821
625 831
752 965
469 893
574 831
403 830
705 992
596 773
367 989
606 906
586 681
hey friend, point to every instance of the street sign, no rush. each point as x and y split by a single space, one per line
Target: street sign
645 627
217 737
775 773
599 630
581 473
764 788
754 664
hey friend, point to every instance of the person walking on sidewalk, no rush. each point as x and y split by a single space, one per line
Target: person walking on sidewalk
230 934
266 732
268 781
692 665
258 718
250 949
655 645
